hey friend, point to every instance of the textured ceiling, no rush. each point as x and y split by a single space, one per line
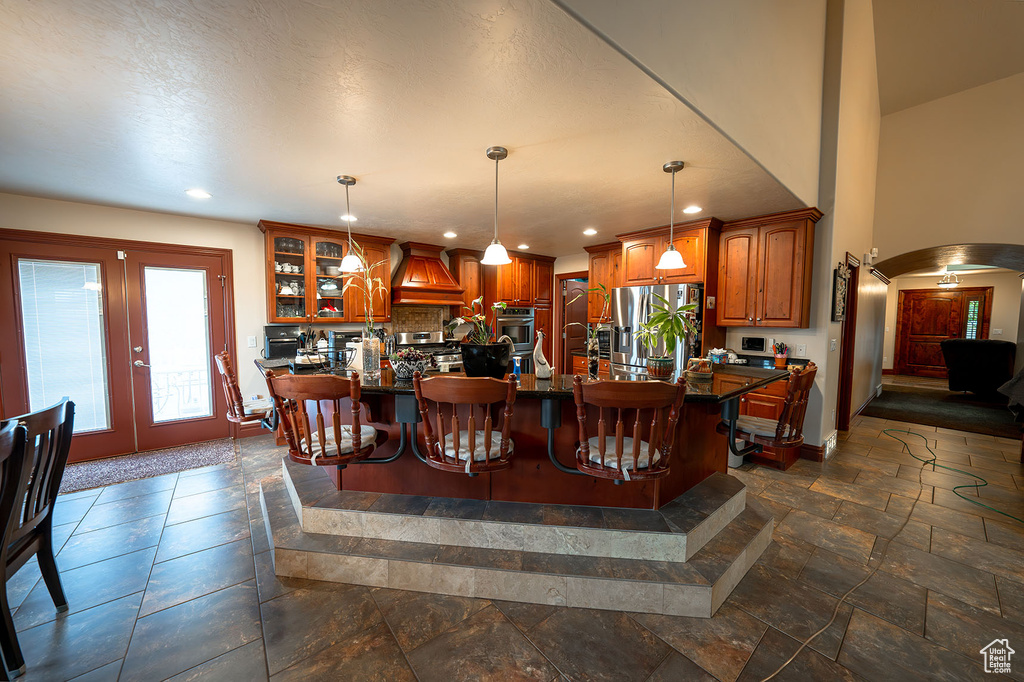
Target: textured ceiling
928 49
264 102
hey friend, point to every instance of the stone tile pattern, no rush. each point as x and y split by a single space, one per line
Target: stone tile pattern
951 586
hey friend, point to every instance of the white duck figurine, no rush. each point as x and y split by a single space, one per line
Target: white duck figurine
541 368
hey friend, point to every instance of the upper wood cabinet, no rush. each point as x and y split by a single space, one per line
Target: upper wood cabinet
527 281
303 262
641 252
465 267
765 269
605 265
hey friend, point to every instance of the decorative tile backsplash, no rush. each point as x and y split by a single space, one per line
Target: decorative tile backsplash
418 318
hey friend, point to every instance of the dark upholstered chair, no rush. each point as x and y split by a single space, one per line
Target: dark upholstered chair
321 438
978 365
616 448
479 447
785 436
29 525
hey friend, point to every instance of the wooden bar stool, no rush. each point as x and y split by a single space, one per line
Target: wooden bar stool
479 447
621 453
321 439
785 436
240 411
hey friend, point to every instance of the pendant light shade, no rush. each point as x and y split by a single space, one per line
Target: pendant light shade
351 262
671 259
496 253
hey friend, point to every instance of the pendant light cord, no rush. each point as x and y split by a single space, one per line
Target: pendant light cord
348 218
496 199
672 213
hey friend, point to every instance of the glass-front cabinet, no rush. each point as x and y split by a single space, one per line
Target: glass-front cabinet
304 279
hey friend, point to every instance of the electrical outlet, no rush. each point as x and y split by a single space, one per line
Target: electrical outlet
801 350
251 341
997 332
771 342
885 358
833 415
832 345
887 329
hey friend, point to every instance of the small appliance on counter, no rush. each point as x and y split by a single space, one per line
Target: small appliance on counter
280 342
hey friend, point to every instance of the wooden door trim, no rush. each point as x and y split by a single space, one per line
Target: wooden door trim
559 316
899 367
848 338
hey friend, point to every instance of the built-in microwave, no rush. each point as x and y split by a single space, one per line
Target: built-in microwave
517 324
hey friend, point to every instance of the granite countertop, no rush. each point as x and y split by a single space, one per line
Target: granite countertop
729 381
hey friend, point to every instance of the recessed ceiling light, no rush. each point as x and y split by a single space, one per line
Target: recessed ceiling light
523 246
692 209
590 231
450 235
197 193
349 218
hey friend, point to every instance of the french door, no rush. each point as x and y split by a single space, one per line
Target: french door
128 333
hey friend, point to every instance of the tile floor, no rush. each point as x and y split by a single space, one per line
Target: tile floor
171 578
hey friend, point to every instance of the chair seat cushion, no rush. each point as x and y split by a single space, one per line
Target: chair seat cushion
260 406
478 452
367 435
643 459
757 426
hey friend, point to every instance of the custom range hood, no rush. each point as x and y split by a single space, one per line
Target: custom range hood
422 278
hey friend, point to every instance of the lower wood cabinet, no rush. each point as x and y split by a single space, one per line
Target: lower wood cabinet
766 402
579 366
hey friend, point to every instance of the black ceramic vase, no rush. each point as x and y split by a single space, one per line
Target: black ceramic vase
486 359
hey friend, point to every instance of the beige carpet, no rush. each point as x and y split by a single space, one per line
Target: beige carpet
100 472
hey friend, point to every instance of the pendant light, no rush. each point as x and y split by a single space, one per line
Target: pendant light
946 282
671 259
496 253
351 262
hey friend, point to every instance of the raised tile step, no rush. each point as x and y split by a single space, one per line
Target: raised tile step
676 532
696 588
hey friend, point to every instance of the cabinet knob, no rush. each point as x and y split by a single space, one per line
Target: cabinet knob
759 319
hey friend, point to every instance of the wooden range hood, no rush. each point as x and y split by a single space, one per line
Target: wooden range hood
422 278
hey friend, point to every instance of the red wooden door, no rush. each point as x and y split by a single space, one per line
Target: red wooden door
575 298
176 313
925 319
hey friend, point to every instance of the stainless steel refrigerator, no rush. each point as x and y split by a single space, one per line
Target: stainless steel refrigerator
631 308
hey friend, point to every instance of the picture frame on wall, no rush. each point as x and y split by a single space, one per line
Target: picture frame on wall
840 286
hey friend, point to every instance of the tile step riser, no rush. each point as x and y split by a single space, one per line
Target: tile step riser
617 544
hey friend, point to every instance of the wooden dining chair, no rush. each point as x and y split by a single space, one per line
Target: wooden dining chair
12 460
29 531
779 440
479 447
617 448
320 437
240 411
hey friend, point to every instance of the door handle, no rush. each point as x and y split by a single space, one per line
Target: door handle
140 363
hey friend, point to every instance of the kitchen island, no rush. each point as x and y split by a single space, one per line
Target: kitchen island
544 423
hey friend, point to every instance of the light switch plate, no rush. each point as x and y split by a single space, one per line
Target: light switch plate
251 341
997 332
832 345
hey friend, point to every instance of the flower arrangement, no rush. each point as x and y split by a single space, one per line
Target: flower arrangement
406 362
481 333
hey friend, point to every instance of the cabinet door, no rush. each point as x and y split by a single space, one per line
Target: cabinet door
615 272
781 273
600 267
543 283
326 285
543 322
690 245
737 277
381 256
287 266
758 404
638 259
523 281
470 274
506 279
604 368
579 365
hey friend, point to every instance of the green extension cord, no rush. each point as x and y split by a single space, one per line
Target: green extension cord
956 489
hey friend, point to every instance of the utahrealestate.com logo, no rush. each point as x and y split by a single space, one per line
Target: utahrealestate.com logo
997 655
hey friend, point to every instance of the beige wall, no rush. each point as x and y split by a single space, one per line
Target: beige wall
751 67
949 171
244 241
573 263
1006 305
867 355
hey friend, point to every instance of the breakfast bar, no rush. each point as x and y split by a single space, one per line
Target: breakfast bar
545 433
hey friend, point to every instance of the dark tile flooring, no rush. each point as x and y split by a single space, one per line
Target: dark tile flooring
171 578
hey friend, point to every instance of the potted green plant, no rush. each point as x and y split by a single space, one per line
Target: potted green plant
372 289
593 348
481 357
669 325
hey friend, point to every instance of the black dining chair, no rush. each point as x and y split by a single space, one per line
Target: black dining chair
29 520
